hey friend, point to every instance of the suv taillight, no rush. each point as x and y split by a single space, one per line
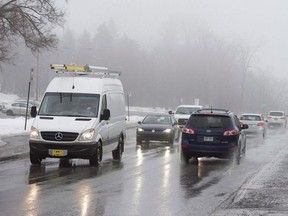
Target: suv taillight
187 130
260 124
230 133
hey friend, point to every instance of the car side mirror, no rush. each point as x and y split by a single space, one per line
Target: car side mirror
170 112
33 111
106 115
139 122
244 126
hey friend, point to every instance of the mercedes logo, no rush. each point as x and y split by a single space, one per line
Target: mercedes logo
58 136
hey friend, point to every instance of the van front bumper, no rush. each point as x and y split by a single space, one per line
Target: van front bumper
69 150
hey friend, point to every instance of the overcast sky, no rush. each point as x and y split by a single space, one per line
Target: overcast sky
255 22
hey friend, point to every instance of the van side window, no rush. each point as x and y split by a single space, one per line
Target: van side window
104 104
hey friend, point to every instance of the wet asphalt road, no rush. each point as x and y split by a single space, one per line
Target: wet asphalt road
151 180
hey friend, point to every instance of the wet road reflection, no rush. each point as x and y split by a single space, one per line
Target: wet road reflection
150 180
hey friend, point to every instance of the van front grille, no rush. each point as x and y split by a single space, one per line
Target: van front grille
58 136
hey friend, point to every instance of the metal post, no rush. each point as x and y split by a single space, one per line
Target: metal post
28 96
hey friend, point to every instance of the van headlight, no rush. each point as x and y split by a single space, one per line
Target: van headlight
34 134
87 135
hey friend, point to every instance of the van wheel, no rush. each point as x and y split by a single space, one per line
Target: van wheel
34 159
117 153
96 157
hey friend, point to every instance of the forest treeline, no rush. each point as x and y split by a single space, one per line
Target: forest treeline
220 73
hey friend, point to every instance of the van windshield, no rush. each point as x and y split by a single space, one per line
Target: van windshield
70 104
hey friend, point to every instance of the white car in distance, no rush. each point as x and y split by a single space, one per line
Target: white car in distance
183 112
256 123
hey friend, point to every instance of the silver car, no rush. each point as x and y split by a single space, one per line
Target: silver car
277 118
18 108
256 123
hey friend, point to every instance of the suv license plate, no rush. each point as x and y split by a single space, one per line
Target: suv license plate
57 152
208 139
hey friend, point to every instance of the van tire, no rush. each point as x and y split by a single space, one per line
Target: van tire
117 153
96 157
34 159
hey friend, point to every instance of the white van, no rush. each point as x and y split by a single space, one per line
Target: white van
81 116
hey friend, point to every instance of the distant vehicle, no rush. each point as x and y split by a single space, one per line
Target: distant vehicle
277 118
256 123
32 102
17 108
213 133
82 115
158 127
183 113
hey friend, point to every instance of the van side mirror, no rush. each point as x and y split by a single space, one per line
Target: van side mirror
106 115
33 111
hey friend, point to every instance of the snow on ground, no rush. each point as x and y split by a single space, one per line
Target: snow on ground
10 126
6 98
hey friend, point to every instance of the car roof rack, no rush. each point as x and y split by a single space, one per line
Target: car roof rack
78 70
212 110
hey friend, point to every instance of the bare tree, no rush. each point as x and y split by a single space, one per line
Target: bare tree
31 21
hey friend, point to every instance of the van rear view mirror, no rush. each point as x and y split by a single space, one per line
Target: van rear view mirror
33 111
106 115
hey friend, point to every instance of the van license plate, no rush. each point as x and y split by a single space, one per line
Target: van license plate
57 152
208 139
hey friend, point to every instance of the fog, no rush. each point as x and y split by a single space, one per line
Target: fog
228 54
258 23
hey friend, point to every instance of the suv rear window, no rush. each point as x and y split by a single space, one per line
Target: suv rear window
209 121
276 113
250 118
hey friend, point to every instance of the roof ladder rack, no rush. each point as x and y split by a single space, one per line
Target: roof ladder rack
75 70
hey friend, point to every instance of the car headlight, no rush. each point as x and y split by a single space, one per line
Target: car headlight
34 134
87 135
140 129
168 130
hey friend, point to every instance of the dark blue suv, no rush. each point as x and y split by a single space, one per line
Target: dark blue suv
213 133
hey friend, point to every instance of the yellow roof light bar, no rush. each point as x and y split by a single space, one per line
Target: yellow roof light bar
74 68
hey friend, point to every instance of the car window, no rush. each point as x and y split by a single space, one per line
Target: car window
276 113
250 118
186 110
157 120
209 121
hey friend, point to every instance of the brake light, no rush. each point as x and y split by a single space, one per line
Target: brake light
260 124
269 117
283 117
188 130
230 133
